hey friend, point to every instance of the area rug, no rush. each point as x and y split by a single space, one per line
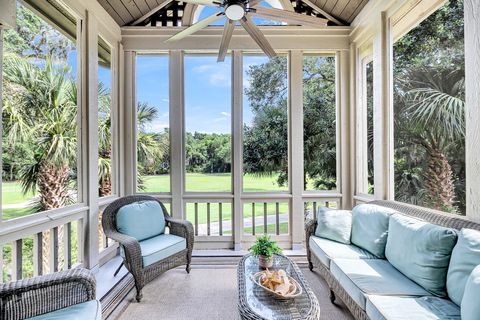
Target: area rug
209 293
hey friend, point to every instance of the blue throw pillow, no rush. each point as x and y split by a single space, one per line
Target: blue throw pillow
465 257
370 228
470 308
421 251
334 225
141 220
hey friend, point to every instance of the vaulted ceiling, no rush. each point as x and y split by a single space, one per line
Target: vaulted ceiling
176 13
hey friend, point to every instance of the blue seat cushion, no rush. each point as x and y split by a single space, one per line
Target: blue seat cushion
411 308
372 277
141 220
465 257
161 247
421 251
326 250
90 310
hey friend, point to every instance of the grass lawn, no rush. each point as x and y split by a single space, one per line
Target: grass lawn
12 193
221 182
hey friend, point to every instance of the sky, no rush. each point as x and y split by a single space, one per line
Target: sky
207 91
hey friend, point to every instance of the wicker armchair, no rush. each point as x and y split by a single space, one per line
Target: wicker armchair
36 296
132 257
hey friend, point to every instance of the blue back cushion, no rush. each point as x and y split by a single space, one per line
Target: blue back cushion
335 225
421 251
370 228
141 220
465 257
470 308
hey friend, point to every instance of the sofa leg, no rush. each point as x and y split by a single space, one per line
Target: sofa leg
139 295
188 268
310 266
332 296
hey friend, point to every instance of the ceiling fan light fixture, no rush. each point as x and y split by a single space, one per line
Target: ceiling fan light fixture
235 10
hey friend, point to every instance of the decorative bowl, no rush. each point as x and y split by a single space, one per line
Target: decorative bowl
294 291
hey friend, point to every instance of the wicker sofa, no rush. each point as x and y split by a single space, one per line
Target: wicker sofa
63 295
164 255
351 292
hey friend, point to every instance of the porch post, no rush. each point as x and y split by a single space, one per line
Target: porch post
295 108
383 110
472 98
237 150
128 134
90 145
177 156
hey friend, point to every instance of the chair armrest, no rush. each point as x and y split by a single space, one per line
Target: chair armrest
181 228
35 296
133 253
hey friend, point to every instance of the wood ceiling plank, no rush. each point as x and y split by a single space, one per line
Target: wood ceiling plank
320 3
111 11
151 4
329 5
119 7
323 12
340 6
142 6
132 8
163 4
349 9
357 11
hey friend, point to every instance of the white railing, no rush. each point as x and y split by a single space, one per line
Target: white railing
52 246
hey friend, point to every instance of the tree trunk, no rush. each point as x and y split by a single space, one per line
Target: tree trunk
53 188
105 188
440 190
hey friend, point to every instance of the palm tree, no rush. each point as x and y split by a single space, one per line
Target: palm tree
104 142
433 117
43 112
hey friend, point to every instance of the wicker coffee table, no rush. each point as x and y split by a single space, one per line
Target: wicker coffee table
256 303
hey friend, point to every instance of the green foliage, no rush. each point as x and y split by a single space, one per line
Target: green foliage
265 246
429 108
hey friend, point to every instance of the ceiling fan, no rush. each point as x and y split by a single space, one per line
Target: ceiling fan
241 10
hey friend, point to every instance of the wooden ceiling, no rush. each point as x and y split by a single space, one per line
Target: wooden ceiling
154 12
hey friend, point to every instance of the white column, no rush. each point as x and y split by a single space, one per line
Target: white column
128 132
90 145
177 155
472 97
295 112
237 149
383 110
344 175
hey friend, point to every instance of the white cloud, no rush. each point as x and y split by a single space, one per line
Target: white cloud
156 126
165 100
218 75
225 114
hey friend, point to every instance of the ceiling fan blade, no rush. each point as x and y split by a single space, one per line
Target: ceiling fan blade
258 36
227 35
209 3
253 3
196 27
289 17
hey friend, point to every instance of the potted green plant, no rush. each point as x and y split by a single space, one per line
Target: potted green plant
263 249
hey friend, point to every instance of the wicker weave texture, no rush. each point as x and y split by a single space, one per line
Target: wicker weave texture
133 255
304 307
39 295
432 216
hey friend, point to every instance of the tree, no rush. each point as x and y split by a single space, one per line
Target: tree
43 112
429 112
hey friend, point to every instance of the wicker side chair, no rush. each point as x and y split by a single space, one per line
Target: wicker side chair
132 253
67 292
